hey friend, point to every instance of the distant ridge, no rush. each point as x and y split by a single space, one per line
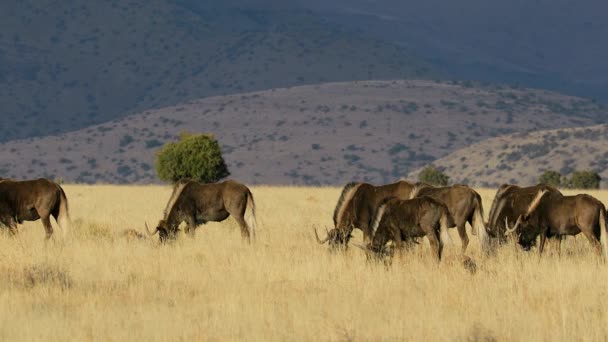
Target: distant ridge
333 133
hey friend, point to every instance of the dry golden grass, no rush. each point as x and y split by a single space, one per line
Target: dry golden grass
99 285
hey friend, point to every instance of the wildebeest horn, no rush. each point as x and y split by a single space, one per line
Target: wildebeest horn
317 236
508 229
148 230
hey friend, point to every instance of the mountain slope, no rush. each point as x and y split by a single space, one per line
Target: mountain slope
332 133
522 158
554 44
68 65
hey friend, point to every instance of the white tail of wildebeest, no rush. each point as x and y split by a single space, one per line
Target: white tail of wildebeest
603 232
250 219
479 225
63 214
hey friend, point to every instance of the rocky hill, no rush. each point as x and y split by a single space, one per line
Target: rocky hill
331 133
522 158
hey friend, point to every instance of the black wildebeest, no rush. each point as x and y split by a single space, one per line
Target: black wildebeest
509 203
197 203
31 200
401 220
356 206
551 214
464 205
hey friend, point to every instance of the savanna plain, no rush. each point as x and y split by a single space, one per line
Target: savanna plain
97 284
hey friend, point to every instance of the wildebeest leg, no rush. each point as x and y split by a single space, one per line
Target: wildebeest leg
190 226
46 222
12 228
399 245
593 240
436 245
464 238
365 227
541 246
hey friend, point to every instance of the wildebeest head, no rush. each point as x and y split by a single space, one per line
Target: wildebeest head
165 231
335 238
378 253
526 227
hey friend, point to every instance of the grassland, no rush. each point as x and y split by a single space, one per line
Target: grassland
98 285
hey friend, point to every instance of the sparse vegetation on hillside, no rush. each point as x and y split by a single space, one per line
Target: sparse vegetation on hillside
520 158
315 135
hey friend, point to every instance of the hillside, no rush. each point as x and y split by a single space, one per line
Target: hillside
324 134
521 158
553 44
69 65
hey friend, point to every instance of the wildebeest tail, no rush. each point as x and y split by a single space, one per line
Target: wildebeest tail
250 215
479 225
63 216
603 232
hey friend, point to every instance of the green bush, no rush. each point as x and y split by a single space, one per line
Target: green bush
196 157
584 180
431 175
551 177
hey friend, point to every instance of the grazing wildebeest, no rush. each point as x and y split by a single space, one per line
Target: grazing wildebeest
509 203
197 203
401 220
355 207
31 200
464 205
552 214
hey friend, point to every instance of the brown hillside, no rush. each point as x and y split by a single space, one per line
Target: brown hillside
325 134
68 65
522 158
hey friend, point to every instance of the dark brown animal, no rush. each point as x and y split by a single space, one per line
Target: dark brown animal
356 206
31 200
464 205
197 203
509 203
401 220
551 214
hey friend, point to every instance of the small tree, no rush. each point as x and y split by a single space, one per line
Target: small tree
433 176
197 157
584 180
551 177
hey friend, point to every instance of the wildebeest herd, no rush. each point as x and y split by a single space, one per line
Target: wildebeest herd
399 213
